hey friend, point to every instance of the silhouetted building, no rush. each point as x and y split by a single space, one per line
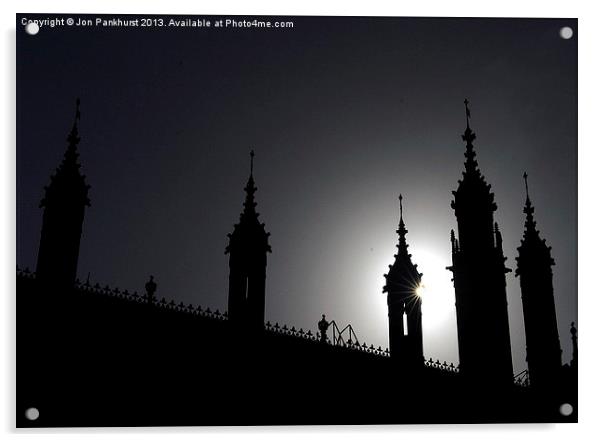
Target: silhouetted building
133 360
248 247
64 203
479 276
534 267
405 305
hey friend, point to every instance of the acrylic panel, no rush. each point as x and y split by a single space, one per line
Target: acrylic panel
238 220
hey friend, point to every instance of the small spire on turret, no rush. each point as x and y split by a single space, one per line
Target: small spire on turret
402 257
531 237
469 136
68 176
249 217
73 137
473 182
528 210
401 223
401 231
250 189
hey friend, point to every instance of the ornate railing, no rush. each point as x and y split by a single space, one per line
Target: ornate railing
190 309
444 366
356 346
310 336
96 289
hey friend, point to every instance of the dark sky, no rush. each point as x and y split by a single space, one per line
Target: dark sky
344 114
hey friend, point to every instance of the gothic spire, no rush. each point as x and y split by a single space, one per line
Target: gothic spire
473 192
68 180
250 189
249 227
403 276
531 244
469 136
401 230
71 155
529 210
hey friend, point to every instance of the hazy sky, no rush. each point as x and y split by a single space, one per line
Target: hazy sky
344 114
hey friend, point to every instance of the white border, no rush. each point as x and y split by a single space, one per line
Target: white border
590 229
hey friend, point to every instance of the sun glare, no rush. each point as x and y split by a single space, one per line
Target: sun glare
436 290
436 293
418 291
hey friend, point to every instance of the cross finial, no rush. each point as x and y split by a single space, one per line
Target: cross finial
252 154
525 176
402 230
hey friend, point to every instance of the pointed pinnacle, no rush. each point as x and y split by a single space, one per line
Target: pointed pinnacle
401 223
73 137
466 102
525 176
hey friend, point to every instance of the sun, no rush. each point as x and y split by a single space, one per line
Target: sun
435 291
419 290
